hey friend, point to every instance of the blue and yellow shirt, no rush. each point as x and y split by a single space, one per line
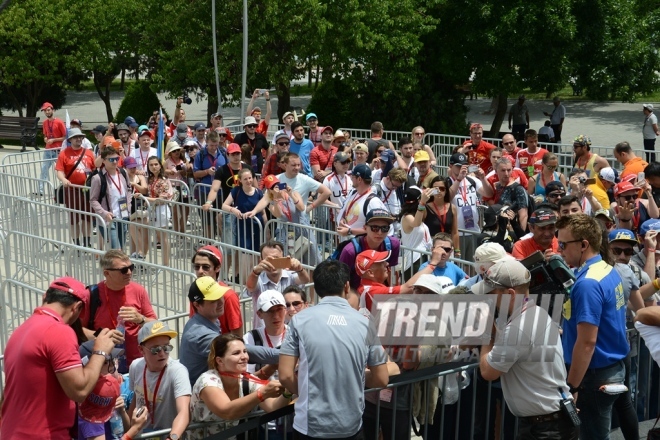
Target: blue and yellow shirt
597 298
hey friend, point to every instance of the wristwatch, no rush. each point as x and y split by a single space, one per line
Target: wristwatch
173 437
101 353
572 389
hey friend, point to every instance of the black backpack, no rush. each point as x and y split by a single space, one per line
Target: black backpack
94 303
104 182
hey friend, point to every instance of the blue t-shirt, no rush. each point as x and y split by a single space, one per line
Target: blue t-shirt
204 161
597 298
304 150
451 270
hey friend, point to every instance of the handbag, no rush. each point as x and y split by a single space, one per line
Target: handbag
654 433
300 247
59 192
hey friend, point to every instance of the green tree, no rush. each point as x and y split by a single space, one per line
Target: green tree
40 49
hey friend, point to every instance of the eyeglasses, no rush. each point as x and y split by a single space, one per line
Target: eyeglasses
562 244
629 197
282 144
626 251
222 135
446 249
205 267
251 126
158 348
295 304
113 159
124 270
420 134
555 195
551 167
375 228
346 162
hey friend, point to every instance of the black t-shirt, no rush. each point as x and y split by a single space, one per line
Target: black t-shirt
259 147
373 145
228 179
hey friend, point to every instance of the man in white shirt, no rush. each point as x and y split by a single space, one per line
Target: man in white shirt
649 131
352 216
142 154
557 118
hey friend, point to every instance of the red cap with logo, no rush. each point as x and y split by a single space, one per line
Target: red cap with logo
233 148
366 259
210 251
98 406
72 286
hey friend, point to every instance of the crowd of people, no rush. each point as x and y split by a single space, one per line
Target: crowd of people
403 225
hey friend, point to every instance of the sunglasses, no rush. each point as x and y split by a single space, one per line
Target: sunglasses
205 267
251 126
375 228
629 197
626 251
123 270
562 244
158 348
420 134
295 304
113 159
556 195
440 188
222 135
282 144
446 249
551 167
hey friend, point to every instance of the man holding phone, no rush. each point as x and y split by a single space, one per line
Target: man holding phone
477 150
628 209
274 272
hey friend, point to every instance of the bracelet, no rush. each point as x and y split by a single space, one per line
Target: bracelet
287 395
433 266
260 395
572 389
422 204
126 437
208 203
421 208
298 271
256 275
650 250
656 284
268 99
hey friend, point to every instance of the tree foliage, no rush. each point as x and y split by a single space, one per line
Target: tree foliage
139 101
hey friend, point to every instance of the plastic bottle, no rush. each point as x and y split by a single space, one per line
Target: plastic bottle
116 425
123 366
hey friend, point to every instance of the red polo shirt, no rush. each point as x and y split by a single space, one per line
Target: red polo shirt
369 288
480 155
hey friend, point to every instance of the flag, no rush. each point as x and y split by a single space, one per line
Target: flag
161 135
67 124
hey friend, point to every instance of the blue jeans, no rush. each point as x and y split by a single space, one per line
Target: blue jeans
50 156
594 405
117 235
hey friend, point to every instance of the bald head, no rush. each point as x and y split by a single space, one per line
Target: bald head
509 142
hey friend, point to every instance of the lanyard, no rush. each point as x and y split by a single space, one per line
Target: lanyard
247 376
584 204
344 188
350 205
117 185
577 163
152 410
463 189
49 127
442 218
128 147
330 154
421 178
144 161
270 344
233 176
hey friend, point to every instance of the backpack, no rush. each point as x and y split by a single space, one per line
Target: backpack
257 341
94 303
356 244
104 182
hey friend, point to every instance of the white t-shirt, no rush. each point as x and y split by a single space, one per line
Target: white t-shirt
557 114
352 213
467 195
142 158
651 335
647 129
340 187
302 183
270 341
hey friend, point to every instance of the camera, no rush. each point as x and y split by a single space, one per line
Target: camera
179 167
186 99
582 180
550 276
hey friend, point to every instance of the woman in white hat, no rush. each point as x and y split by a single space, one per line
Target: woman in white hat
176 169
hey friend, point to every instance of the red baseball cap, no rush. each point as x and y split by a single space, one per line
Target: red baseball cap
624 186
72 286
327 128
98 406
233 148
211 251
46 105
366 259
270 181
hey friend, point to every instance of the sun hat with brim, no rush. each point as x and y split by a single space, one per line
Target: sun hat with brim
153 329
75 132
172 147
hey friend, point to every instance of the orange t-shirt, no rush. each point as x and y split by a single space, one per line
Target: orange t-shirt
525 248
634 166
68 158
480 155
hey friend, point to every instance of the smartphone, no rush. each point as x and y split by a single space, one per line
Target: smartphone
280 262
473 168
435 192
139 411
590 181
641 176
262 91
282 186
